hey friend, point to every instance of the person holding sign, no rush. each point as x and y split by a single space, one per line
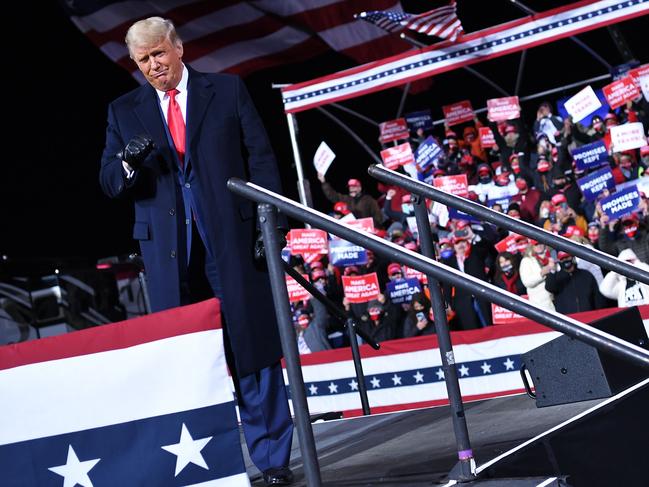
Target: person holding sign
360 204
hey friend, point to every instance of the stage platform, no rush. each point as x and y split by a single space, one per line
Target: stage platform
414 448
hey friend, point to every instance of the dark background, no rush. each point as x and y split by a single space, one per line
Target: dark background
51 205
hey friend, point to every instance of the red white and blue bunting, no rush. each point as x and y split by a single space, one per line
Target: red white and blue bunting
473 48
407 374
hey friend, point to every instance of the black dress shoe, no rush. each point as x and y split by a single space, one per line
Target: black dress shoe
278 476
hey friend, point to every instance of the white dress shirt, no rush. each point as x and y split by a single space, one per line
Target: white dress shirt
181 98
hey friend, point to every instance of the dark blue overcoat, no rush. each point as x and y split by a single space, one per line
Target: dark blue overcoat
225 138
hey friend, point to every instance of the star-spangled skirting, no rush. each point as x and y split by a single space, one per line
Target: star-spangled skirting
414 377
498 41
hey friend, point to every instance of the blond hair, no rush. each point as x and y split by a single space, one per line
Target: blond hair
149 32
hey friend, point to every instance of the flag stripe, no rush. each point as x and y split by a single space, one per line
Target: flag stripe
233 32
474 48
195 377
197 317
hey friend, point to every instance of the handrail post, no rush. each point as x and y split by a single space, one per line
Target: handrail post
339 314
466 463
358 366
267 215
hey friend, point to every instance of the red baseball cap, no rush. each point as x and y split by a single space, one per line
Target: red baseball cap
352 269
394 268
354 182
559 198
341 207
509 129
644 150
561 255
543 165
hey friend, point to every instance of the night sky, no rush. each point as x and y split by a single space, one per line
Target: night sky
52 206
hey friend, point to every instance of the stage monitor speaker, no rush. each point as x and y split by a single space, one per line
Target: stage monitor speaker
566 370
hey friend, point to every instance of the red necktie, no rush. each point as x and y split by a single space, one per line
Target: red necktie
176 125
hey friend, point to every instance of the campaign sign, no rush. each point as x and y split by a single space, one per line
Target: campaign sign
455 214
394 157
427 153
644 86
503 202
501 109
621 91
394 130
595 183
360 289
508 244
628 136
419 120
459 112
487 138
364 224
590 156
343 253
456 184
401 291
601 111
503 316
286 254
621 203
323 158
582 104
295 290
308 241
640 72
409 272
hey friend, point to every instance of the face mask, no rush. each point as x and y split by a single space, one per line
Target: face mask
630 231
446 253
485 179
407 208
593 235
597 125
516 168
567 265
375 314
507 269
521 184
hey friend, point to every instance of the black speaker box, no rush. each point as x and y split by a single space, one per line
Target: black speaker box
565 370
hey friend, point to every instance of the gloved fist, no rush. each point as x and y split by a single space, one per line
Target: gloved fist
136 151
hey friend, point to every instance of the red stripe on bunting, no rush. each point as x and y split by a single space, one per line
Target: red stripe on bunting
194 318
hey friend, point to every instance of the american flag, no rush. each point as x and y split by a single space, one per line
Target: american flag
242 36
441 22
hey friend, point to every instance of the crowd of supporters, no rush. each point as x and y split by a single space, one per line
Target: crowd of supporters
530 175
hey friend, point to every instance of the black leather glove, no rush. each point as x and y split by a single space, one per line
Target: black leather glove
260 252
136 151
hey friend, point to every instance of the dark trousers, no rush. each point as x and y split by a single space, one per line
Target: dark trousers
261 396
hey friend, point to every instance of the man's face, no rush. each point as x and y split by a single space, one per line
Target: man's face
161 64
354 190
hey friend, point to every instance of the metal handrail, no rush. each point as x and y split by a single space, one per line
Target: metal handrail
521 227
482 290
